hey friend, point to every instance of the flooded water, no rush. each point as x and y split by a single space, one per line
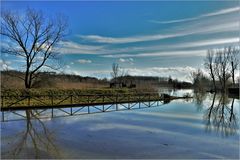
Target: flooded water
205 127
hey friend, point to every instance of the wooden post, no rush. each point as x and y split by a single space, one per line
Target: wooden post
71 111
52 112
2 97
103 109
2 116
139 101
117 102
149 100
128 101
88 110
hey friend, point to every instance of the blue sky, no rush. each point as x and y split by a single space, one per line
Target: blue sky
156 38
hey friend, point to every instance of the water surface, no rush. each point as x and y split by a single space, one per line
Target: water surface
204 127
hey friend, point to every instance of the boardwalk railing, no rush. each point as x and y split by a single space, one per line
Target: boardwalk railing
47 106
49 101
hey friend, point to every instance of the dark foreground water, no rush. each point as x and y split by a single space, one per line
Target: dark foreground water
205 127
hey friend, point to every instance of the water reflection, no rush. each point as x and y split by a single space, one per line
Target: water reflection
36 140
220 116
199 98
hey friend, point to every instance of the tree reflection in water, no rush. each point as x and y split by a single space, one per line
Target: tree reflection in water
198 98
220 116
35 141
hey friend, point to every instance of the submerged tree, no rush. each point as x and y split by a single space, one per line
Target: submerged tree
210 66
233 60
222 65
33 37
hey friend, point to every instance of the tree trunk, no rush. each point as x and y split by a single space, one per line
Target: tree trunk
233 78
213 78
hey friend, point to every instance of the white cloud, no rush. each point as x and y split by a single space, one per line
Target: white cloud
112 40
221 21
173 49
84 61
161 53
204 43
76 48
217 13
126 60
5 65
67 66
203 29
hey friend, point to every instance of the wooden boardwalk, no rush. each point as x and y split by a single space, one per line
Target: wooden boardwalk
48 106
69 106
50 101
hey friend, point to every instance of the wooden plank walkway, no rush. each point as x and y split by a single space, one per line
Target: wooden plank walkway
69 105
58 101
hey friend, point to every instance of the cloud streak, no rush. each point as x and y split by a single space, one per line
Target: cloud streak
126 60
216 28
84 61
217 13
70 47
157 54
226 20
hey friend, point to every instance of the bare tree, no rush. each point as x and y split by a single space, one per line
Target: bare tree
115 72
233 60
198 79
222 66
209 65
33 37
123 73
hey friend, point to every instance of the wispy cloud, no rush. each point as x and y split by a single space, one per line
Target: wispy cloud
126 60
157 54
217 13
112 40
84 61
227 23
204 29
70 47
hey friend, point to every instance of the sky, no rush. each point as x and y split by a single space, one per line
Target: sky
156 38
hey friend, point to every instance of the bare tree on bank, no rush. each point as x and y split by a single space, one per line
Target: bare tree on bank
115 72
118 75
123 74
33 37
222 67
234 62
210 66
